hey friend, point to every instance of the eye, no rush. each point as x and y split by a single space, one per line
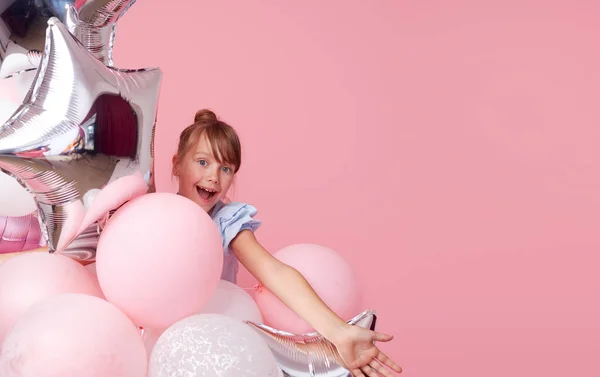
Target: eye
227 169
203 162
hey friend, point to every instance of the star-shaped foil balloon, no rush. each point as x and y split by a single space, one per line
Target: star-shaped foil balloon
94 25
82 125
309 355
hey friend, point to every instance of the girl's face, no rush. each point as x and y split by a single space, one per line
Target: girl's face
202 178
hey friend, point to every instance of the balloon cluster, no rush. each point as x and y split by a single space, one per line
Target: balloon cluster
131 286
153 304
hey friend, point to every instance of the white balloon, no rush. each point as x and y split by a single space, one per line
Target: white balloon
7 109
212 345
228 299
89 197
14 199
15 88
15 60
231 300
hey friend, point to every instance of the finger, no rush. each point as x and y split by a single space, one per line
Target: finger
357 373
376 365
369 371
379 337
383 359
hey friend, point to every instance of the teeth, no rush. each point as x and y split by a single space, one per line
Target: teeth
205 189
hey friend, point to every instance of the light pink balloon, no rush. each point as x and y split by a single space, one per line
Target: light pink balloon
232 301
159 259
73 335
329 274
33 277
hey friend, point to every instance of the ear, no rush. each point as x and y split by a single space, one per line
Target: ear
175 163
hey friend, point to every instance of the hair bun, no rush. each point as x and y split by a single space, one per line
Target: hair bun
204 115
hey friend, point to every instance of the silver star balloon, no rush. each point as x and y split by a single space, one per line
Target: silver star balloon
94 25
82 125
309 355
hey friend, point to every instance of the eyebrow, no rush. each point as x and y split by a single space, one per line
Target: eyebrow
204 154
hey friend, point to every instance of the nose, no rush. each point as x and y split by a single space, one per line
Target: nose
213 177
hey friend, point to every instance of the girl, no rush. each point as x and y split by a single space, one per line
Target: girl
207 159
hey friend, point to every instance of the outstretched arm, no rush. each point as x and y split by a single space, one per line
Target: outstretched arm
354 344
287 284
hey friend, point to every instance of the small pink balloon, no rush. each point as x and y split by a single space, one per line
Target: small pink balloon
159 259
33 277
112 196
329 274
73 335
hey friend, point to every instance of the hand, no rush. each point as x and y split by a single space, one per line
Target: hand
356 347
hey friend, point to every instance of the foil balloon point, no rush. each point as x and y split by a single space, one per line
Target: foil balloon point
94 25
81 126
309 355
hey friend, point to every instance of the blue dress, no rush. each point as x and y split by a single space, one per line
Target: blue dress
231 219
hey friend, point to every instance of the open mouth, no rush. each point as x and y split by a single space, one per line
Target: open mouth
205 193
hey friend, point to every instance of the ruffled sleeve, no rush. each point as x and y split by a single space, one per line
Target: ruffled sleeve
234 217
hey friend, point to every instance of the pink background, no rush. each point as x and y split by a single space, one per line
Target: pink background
449 149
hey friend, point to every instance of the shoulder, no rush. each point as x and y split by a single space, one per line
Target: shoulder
232 218
232 210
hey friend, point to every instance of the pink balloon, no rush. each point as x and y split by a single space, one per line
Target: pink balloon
329 274
159 259
33 277
73 335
